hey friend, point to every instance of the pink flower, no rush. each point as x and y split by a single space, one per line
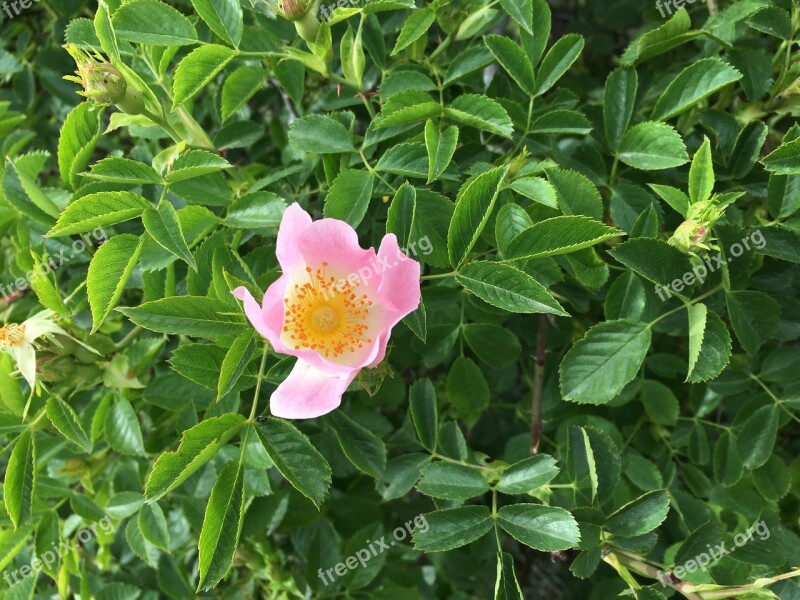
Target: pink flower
333 308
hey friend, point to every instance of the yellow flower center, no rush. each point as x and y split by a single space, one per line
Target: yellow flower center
325 315
11 335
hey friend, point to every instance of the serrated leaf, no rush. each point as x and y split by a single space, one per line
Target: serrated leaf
123 170
223 17
453 528
98 210
163 226
296 458
513 59
597 367
222 525
474 205
198 445
544 528
508 288
619 99
152 22
122 430
77 140
441 145
557 61
19 482
197 70
197 316
701 174
414 27
349 196
784 160
696 82
235 362
320 134
64 418
528 474
422 406
196 163
639 516
239 87
363 448
480 112
652 146
451 481
559 235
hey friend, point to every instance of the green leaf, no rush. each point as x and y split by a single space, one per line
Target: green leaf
152 22
98 210
196 163
320 134
235 363
400 475
467 62
544 528
559 235
659 402
756 439
196 316
223 17
482 113
19 482
361 447
654 260
661 39
701 174
163 226
296 458
467 389
728 468
197 70
521 11
79 135
597 367
651 146
784 160
695 83
639 516
109 271
400 216
513 59
256 210
577 195
198 445
506 586
153 526
415 26
349 196
422 406
64 418
453 528
558 60
451 481
222 525
239 87
511 220
567 122
123 170
715 349
674 197
122 429
619 99
508 288
754 317
474 205
494 345
528 474
441 146
536 189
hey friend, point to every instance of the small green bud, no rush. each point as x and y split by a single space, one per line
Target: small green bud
103 83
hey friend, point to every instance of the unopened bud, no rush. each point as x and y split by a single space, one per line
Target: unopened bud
102 82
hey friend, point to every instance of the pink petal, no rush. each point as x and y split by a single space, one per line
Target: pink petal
254 313
400 289
294 222
334 242
307 392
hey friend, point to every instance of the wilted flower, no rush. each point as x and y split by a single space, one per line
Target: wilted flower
333 308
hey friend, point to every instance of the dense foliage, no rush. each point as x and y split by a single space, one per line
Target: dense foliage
599 394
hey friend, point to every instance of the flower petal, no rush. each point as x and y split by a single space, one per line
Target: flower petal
294 222
255 314
307 392
400 287
334 241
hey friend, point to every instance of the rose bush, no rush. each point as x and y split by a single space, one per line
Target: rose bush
400 299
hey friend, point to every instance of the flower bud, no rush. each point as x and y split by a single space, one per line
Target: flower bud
103 83
694 232
294 10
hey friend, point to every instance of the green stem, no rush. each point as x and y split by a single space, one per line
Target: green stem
258 384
